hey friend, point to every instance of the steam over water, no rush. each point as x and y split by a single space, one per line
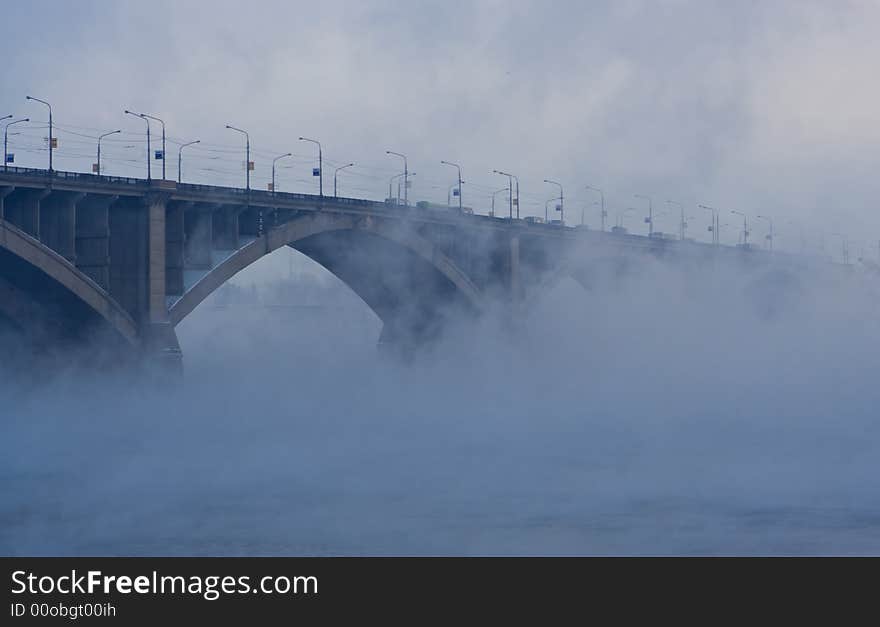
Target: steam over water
661 412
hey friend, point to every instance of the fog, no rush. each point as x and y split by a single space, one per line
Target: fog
660 411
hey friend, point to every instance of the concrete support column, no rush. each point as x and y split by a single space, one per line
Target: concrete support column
156 208
129 240
23 210
198 227
4 192
58 223
92 238
175 238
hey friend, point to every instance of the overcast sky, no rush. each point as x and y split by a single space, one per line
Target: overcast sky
764 107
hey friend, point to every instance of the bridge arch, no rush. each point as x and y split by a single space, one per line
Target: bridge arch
373 256
43 290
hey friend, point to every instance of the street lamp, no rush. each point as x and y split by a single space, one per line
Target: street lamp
50 126
716 237
247 163
6 139
650 218
288 154
390 182
458 167
100 137
506 189
745 226
335 172
770 235
320 165
144 118
602 195
162 122
180 156
681 225
405 177
510 178
411 174
561 207
516 201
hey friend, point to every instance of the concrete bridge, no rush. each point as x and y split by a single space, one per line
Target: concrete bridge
128 259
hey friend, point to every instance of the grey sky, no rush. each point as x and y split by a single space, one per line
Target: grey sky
765 107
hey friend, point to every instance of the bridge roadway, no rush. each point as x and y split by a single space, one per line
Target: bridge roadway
129 258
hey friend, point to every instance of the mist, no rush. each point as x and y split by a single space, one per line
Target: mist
661 410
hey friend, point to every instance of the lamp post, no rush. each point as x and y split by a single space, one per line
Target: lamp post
100 137
602 195
288 154
335 172
149 156
458 167
510 190
404 191
180 157
681 223
390 182
745 225
516 202
506 189
247 163
50 126
770 235
561 207
320 165
716 238
162 122
405 177
6 139
650 218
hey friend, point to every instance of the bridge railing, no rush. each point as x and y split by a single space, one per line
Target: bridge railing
192 187
61 174
263 194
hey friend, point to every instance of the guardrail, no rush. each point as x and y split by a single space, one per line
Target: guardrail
61 174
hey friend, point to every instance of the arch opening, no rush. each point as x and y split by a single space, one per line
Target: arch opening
50 303
402 278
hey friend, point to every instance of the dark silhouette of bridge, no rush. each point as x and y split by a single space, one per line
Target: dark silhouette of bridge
128 258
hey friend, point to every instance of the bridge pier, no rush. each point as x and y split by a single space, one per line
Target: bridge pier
4 192
175 239
22 208
160 345
58 223
92 237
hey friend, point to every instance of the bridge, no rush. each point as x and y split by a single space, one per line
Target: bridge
84 256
